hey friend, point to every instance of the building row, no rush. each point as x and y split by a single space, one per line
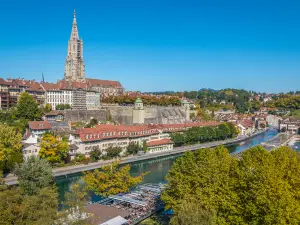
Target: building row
79 95
103 136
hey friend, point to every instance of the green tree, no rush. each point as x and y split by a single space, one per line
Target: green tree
224 130
233 129
132 148
10 148
53 149
191 213
260 187
16 208
178 139
47 108
113 152
27 107
95 154
33 175
111 180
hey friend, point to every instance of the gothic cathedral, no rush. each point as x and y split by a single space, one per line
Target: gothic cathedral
74 66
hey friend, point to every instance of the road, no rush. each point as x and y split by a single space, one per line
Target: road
64 171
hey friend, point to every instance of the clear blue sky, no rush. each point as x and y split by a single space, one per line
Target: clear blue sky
158 45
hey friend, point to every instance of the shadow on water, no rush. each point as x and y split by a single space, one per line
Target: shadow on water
159 167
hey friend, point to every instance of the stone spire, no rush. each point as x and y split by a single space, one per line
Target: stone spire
74 33
74 66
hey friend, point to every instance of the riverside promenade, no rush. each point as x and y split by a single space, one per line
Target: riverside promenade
65 171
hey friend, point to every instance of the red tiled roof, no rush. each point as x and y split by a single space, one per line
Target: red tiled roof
3 82
39 125
109 131
104 83
159 142
50 86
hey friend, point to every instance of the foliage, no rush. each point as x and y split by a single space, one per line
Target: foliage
27 108
145 147
204 134
93 122
191 213
178 139
111 180
33 175
132 148
95 154
259 188
147 100
63 107
53 149
291 102
10 148
16 208
112 152
46 108
75 203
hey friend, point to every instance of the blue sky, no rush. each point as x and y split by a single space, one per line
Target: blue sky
158 45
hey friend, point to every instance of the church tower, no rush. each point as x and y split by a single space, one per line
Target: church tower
74 66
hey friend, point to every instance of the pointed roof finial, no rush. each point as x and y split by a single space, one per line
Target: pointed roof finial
74 13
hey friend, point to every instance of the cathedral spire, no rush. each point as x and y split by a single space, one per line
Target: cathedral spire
74 33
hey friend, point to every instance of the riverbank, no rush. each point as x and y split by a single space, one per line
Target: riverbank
65 171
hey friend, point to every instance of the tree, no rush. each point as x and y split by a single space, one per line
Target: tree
111 180
53 149
95 154
47 108
178 139
145 147
93 122
27 107
10 148
261 187
113 152
224 130
75 204
33 175
62 106
16 208
132 148
233 129
191 213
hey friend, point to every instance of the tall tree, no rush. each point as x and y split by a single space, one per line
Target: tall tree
34 174
27 107
53 149
111 180
260 187
10 148
16 208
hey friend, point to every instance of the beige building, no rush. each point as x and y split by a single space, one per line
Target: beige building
74 66
138 113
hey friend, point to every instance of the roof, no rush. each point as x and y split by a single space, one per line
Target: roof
103 83
159 142
138 100
110 131
119 220
39 125
104 213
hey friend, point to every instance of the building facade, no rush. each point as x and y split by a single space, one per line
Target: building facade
74 65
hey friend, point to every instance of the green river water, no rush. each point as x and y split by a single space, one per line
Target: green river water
159 167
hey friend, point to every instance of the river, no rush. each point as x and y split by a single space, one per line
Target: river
159 167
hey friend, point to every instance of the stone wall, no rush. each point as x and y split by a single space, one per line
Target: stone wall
123 114
85 115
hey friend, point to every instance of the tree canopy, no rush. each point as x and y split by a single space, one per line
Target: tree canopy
260 187
34 174
10 148
111 180
53 149
27 107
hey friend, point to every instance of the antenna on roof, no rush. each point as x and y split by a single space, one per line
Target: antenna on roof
43 80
